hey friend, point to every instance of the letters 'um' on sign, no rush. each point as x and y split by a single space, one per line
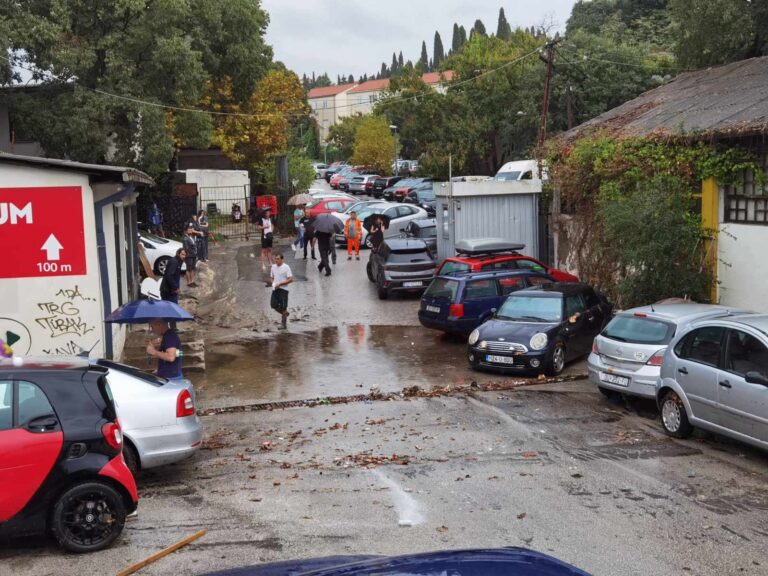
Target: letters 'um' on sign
41 232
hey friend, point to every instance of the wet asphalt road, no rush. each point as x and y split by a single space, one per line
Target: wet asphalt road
553 467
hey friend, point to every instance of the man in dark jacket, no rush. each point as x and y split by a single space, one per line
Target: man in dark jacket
171 283
309 234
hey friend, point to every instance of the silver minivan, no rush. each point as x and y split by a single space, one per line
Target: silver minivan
715 376
627 355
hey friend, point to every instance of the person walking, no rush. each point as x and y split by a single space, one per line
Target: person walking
267 237
281 276
166 348
170 285
353 230
324 245
156 220
298 214
190 246
202 221
309 233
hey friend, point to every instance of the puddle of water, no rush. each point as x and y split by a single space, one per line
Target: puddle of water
332 361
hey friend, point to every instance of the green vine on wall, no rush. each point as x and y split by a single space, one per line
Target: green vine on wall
631 224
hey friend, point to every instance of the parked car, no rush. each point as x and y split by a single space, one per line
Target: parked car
402 190
327 204
423 196
383 182
158 251
333 169
338 175
400 265
319 169
399 217
520 170
358 183
389 192
487 562
715 377
357 207
61 466
540 329
426 230
319 194
158 418
627 355
345 180
459 304
481 254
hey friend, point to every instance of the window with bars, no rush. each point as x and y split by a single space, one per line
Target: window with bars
746 202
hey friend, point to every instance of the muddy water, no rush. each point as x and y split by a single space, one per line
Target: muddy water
331 361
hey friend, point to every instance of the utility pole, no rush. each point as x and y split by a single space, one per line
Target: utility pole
569 105
548 57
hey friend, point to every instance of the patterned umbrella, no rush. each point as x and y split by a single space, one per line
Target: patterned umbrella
299 200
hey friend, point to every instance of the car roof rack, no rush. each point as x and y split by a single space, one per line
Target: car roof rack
487 246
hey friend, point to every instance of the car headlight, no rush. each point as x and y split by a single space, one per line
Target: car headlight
474 336
538 341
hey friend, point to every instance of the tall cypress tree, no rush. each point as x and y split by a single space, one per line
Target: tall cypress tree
438 53
383 73
462 36
503 29
394 69
478 28
456 39
400 62
423 63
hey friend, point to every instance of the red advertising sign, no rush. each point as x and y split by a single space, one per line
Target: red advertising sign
41 232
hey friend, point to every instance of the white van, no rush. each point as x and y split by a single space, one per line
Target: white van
520 170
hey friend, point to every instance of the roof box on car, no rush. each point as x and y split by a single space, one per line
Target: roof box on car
473 246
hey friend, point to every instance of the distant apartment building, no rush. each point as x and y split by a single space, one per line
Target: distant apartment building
332 103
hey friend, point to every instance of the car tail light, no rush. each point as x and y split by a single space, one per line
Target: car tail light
113 435
657 359
594 347
456 310
184 404
640 315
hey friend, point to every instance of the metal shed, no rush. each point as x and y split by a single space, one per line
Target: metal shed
508 210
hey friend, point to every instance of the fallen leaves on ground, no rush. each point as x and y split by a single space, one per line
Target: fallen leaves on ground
368 460
521 515
530 454
442 529
216 440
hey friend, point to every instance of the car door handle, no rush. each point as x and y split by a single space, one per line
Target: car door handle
683 370
726 384
42 424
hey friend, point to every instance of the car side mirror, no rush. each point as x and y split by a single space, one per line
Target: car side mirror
756 378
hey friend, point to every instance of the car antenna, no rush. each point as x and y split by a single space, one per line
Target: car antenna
652 310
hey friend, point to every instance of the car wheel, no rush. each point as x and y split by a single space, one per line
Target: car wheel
131 458
380 290
88 517
369 271
556 361
673 416
161 265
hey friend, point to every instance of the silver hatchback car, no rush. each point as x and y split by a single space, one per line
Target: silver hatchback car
715 376
627 355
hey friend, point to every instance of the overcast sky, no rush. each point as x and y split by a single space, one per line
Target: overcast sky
356 36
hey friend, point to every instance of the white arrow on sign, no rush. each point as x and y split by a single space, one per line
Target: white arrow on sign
52 246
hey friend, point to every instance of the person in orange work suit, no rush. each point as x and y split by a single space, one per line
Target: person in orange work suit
353 230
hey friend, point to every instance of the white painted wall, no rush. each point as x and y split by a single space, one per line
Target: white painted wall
33 305
219 186
742 266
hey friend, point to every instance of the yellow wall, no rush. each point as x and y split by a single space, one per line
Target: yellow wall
710 221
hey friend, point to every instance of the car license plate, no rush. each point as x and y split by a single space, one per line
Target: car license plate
435 309
412 284
499 359
613 379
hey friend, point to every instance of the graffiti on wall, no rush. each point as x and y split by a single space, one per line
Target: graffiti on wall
61 316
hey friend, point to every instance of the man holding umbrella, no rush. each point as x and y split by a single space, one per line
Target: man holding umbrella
326 225
166 348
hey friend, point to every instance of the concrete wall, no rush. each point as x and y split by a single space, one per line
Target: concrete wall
485 209
219 186
34 307
743 266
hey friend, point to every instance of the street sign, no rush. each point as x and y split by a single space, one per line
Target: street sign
41 232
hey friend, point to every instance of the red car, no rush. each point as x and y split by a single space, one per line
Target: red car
329 204
494 254
61 463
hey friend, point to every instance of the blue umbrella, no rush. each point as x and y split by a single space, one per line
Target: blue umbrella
142 311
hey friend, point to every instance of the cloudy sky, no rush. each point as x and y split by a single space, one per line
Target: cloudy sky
356 36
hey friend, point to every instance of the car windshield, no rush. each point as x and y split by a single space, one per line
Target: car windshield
503 176
362 215
442 289
153 238
449 267
408 256
637 330
532 309
356 207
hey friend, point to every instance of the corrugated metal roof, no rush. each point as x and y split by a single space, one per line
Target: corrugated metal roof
730 100
122 173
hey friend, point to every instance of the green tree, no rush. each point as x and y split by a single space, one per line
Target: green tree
165 52
423 63
503 29
456 39
438 52
374 144
478 29
342 134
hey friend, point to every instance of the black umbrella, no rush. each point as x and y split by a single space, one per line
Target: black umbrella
327 224
371 220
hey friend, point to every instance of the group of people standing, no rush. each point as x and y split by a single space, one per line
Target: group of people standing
194 249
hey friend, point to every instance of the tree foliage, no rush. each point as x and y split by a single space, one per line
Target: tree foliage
438 52
478 29
342 134
503 29
164 51
374 144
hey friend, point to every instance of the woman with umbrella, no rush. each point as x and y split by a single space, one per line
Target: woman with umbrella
376 224
299 201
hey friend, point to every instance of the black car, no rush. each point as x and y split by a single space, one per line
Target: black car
61 464
401 265
425 229
382 183
423 196
540 329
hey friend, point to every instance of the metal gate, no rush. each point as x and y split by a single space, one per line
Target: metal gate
229 211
